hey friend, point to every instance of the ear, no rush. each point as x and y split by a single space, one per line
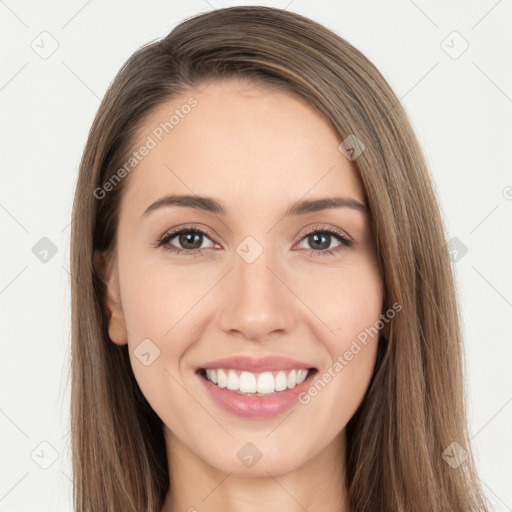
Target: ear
107 270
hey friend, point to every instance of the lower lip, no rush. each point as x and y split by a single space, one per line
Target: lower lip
256 406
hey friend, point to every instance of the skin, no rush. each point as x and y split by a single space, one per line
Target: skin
256 150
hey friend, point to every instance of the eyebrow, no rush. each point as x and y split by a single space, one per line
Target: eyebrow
210 205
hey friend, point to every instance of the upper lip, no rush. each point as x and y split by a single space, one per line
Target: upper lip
249 364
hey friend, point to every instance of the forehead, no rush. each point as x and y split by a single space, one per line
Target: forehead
249 145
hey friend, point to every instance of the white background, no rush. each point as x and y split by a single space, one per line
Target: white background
461 109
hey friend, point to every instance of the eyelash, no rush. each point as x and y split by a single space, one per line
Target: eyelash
345 241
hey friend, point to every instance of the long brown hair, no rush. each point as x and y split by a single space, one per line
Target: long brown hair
414 407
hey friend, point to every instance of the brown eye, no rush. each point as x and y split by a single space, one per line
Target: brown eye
320 241
188 241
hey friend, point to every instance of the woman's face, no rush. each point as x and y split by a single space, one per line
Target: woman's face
259 282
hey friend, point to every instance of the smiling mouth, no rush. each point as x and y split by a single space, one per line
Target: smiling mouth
256 384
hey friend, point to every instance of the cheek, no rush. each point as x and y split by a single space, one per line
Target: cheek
160 304
349 304
165 304
160 301
351 308
347 299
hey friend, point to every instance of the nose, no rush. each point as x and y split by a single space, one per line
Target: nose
257 303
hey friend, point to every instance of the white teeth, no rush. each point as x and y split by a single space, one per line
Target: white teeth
301 375
247 381
263 383
281 382
212 375
222 379
232 381
292 379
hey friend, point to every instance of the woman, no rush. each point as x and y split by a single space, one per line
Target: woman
263 307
